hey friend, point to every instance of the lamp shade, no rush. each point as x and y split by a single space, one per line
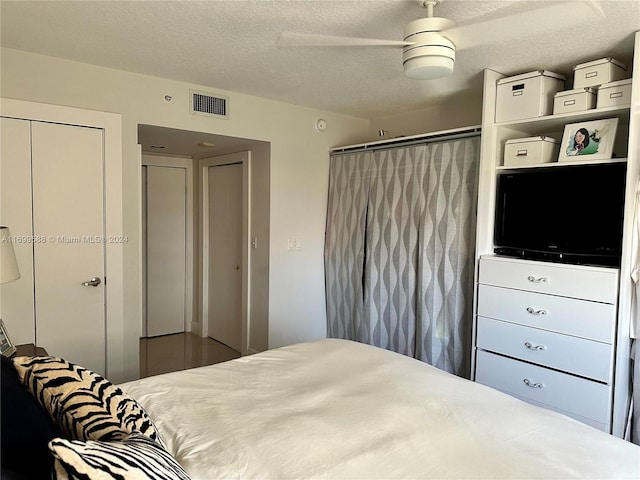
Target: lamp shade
8 264
429 54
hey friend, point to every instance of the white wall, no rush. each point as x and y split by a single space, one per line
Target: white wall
459 111
259 277
298 174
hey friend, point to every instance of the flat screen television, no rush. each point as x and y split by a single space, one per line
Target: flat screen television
570 214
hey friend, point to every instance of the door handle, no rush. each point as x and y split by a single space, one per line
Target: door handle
94 282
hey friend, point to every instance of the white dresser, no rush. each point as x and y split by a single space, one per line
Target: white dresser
545 333
580 315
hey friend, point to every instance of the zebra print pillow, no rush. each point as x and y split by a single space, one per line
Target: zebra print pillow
135 458
84 405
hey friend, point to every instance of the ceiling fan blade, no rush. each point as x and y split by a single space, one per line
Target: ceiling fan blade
539 21
292 39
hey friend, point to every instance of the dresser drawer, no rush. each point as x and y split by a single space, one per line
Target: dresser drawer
581 318
561 352
577 281
555 390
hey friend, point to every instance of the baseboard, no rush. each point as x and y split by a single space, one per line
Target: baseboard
195 328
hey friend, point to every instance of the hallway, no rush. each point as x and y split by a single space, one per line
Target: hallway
169 353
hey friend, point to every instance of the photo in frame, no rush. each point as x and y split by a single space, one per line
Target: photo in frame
591 140
6 347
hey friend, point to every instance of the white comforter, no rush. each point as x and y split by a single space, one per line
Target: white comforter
340 409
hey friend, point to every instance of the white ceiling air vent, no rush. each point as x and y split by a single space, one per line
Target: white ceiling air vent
208 103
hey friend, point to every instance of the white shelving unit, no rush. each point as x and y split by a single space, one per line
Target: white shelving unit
560 164
612 409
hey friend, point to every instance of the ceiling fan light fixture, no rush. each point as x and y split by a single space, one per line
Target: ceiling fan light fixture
428 67
431 56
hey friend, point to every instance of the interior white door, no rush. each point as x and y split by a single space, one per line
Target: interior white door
165 233
69 258
225 254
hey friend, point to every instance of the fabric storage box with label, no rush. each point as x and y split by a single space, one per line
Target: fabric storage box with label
528 95
597 72
615 94
530 151
575 100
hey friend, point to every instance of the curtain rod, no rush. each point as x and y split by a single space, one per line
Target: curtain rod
410 140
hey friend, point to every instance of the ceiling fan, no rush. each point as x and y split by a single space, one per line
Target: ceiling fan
429 44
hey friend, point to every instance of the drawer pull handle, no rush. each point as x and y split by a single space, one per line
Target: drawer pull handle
531 346
533 311
533 279
531 384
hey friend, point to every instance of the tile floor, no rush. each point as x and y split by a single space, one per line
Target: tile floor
180 351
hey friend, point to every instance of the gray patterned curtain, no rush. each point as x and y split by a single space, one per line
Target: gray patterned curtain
344 244
400 250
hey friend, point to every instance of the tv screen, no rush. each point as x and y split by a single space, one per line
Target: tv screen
569 214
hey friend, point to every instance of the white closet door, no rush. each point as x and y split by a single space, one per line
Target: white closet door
17 309
165 250
67 175
225 254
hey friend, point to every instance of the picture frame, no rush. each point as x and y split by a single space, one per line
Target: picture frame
592 140
7 348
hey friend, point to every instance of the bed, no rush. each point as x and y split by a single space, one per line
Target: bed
340 409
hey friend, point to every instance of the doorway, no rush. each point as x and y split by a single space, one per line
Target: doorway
53 198
165 218
225 248
198 148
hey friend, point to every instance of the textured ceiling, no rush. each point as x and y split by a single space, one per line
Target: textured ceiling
231 45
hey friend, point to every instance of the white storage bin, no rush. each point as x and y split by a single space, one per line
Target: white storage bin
530 151
615 94
597 72
528 95
575 100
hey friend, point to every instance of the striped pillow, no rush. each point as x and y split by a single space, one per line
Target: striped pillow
135 458
84 405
